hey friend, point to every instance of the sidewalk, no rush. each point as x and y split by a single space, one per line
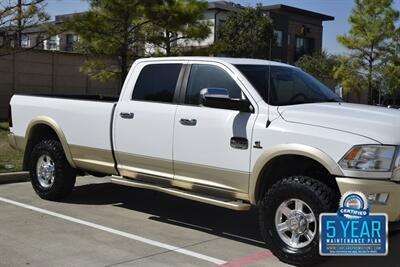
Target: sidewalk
14 177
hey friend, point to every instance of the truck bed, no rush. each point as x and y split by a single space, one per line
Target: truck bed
85 121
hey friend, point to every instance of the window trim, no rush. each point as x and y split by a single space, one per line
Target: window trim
178 87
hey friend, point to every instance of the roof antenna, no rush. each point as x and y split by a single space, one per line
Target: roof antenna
269 82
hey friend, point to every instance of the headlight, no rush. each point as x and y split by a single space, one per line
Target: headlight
369 158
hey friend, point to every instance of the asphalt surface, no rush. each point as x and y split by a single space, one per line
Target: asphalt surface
102 224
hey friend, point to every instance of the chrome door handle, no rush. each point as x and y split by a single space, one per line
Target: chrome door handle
188 122
126 115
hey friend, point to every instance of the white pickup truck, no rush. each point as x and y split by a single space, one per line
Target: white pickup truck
235 133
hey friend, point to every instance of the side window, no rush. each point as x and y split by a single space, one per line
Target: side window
209 76
157 82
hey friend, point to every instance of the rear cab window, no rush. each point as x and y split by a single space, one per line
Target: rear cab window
157 83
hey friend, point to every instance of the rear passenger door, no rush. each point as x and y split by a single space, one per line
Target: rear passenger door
206 152
144 121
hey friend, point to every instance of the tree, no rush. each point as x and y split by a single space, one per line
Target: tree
176 25
247 33
391 81
321 65
391 70
111 28
17 16
372 25
347 74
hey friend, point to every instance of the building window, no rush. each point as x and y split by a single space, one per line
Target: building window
53 43
25 41
71 39
278 36
288 39
304 46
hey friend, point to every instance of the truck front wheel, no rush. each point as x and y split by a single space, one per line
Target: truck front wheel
289 214
51 175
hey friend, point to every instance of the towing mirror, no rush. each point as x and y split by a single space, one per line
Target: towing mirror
219 98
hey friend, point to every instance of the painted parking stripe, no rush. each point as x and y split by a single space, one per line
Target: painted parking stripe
116 232
248 259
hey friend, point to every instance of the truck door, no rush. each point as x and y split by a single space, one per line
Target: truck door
211 145
144 121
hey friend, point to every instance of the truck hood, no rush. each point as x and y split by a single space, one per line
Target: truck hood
377 123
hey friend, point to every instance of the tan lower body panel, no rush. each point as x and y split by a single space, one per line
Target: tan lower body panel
226 179
130 165
210 180
221 182
93 159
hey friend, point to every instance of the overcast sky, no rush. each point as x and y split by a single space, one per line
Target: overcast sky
340 9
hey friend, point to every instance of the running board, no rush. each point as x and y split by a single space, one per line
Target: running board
221 202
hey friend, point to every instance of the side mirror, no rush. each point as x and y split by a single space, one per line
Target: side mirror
219 98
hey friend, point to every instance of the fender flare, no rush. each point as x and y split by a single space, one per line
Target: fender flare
45 120
288 149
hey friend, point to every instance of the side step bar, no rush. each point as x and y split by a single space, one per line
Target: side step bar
221 202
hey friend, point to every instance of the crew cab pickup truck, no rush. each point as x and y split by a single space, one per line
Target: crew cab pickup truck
235 133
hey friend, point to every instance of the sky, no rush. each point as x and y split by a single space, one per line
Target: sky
340 9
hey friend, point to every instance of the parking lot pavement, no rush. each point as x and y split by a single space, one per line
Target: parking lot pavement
103 224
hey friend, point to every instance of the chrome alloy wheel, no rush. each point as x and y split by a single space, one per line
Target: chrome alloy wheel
295 223
45 171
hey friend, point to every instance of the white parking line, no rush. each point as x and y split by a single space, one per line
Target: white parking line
116 232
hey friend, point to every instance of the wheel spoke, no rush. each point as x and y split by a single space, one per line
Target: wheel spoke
286 211
295 239
282 227
298 205
310 218
309 235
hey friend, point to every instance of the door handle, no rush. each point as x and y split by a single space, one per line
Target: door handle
126 115
239 143
188 122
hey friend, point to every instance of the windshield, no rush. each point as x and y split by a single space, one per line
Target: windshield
289 86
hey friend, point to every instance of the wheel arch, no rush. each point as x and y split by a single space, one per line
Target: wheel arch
40 128
282 153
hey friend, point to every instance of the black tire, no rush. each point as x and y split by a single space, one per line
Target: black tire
64 174
318 196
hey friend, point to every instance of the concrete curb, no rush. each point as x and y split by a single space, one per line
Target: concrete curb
13 177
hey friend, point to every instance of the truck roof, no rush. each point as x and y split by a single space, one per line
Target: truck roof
229 60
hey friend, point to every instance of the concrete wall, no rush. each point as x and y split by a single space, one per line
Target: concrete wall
46 72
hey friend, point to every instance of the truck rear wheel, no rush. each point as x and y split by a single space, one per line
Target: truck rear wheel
289 214
51 175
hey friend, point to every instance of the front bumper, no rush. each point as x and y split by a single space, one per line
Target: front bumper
367 186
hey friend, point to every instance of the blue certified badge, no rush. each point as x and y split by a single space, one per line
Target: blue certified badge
353 230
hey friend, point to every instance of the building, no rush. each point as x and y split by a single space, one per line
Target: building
297 31
37 37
